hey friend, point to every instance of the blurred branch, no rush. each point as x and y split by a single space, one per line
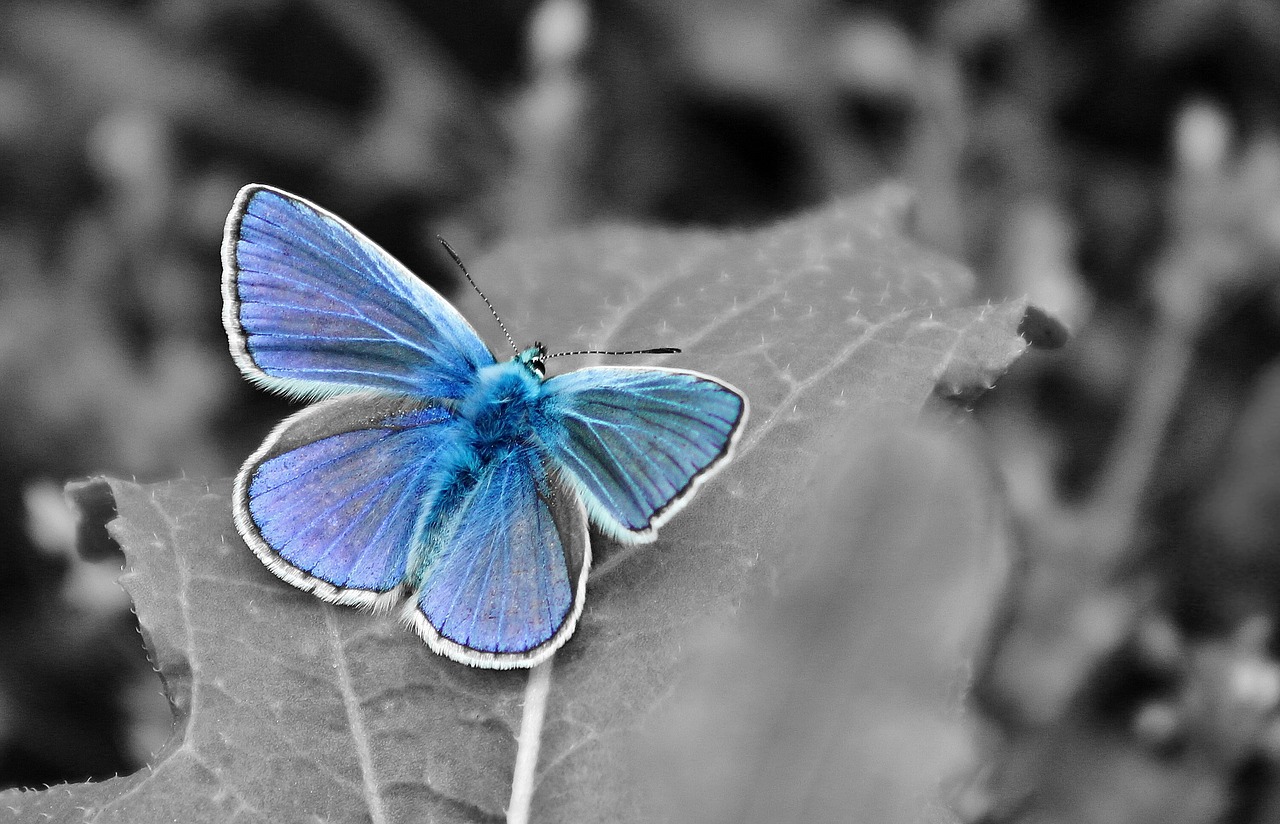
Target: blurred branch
1218 247
102 61
431 127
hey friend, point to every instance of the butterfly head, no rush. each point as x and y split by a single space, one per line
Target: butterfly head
534 359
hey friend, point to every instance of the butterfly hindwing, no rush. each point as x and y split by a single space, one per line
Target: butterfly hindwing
503 571
314 308
331 500
638 441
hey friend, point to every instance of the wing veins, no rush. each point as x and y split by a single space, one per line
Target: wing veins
625 431
471 497
655 424
370 502
329 289
679 408
327 370
291 235
488 572
613 468
407 320
341 502
378 536
329 462
294 306
658 420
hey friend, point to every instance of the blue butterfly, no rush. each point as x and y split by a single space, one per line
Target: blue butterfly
431 475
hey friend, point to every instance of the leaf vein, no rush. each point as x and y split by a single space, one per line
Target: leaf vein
355 718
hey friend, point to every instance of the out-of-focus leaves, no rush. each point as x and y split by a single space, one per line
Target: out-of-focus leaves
106 62
289 708
1234 565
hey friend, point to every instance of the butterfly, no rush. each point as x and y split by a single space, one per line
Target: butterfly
431 476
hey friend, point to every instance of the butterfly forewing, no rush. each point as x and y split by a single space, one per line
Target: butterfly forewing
312 308
638 441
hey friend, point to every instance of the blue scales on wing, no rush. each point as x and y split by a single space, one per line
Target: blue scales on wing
503 576
638 440
314 308
331 501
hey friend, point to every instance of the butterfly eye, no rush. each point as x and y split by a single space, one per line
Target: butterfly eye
535 359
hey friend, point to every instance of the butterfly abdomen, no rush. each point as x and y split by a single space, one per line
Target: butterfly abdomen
493 430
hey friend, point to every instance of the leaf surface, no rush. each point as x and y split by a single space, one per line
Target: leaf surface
837 694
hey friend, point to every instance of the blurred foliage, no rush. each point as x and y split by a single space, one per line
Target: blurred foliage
1118 162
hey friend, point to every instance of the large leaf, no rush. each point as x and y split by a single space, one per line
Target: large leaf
292 710
838 696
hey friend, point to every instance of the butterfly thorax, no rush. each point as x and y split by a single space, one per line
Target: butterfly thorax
500 404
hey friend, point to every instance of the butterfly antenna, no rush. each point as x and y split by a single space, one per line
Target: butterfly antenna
661 350
467 274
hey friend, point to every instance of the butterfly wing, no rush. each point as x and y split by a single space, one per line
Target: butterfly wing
639 441
504 565
331 501
314 308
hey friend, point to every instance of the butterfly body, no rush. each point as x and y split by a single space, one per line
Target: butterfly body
494 425
432 476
